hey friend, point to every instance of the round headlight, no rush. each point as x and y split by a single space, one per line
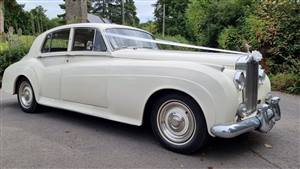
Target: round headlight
239 80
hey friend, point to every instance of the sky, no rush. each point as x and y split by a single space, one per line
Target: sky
144 8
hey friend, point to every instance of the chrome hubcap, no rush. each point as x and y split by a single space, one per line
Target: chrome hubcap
25 94
176 122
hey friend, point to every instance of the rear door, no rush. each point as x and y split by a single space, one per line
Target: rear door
84 78
53 58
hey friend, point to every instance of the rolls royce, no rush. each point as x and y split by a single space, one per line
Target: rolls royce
121 73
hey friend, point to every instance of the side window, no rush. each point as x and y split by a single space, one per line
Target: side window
57 41
85 39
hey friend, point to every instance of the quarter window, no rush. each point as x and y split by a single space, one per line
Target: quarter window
57 41
99 43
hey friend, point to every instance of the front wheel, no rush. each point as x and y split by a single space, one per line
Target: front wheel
178 123
26 98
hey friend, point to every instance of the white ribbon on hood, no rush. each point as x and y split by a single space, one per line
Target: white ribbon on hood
164 42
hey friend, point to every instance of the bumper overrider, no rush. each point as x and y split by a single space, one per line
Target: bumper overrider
267 114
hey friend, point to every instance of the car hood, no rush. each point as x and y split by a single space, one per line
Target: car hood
208 58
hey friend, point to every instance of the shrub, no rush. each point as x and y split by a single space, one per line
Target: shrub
230 38
3 46
287 82
255 32
176 38
207 19
17 48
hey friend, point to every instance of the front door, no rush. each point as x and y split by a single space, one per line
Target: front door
84 78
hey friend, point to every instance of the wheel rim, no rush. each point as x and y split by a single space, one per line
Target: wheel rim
25 94
176 122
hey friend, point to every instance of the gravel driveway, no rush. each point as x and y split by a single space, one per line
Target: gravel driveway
63 139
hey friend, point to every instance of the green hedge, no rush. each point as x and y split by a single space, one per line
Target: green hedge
13 50
286 82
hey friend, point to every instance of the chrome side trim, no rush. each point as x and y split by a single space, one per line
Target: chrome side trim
264 121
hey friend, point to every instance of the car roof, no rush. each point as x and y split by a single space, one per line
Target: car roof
93 25
35 48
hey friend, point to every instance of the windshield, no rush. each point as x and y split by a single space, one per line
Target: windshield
120 38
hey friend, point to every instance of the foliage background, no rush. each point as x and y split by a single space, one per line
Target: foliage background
270 26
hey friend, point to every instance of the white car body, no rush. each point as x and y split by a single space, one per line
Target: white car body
117 84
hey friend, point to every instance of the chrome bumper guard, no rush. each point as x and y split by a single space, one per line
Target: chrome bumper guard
267 114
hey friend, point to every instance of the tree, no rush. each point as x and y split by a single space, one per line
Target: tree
40 21
175 21
149 26
272 28
103 8
54 22
130 13
111 9
207 19
76 11
279 40
62 17
33 22
15 16
1 16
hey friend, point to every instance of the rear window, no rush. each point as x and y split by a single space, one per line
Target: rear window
57 41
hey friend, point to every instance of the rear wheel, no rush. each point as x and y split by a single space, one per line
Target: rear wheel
26 98
178 123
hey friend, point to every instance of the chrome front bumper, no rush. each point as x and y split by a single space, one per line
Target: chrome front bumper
267 114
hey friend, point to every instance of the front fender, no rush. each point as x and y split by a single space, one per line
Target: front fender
136 81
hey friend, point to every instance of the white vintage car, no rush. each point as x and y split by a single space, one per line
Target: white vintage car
119 73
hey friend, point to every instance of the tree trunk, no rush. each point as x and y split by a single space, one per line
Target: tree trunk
1 16
32 24
76 11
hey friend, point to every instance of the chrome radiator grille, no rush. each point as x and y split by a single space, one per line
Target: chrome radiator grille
251 85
